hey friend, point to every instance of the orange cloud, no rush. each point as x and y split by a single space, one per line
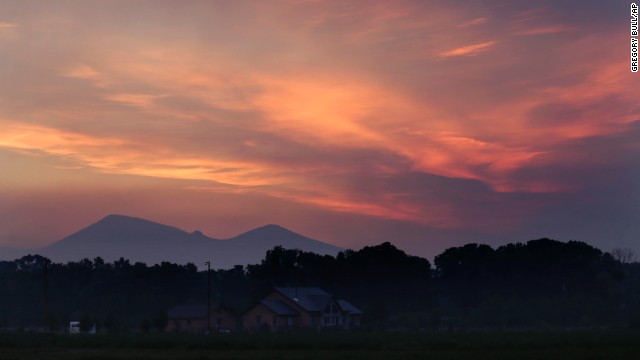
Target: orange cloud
83 72
271 98
317 110
438 216
87 72
469 50
137 100
320 109
4 25
28 137
474 22
545 30
128 157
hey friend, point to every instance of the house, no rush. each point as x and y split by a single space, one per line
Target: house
286 308
193 318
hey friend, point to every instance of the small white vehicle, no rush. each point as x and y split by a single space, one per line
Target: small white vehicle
74 327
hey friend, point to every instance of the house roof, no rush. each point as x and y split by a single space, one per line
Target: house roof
279 307
189 311
311 299
348 307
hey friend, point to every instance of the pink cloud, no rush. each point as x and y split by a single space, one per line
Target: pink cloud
469 50
545 30
5 25
296 100
474 22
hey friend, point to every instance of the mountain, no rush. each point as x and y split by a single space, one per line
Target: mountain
141 240
10 253
255 243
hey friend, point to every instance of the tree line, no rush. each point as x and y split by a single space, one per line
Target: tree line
540 283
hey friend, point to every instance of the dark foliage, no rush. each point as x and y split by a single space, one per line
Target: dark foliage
542 283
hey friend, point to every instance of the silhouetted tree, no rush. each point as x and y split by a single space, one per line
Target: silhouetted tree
624 255
538 283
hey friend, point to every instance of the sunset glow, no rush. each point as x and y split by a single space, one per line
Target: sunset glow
348 121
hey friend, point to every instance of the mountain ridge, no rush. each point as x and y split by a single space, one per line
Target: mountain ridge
147 241
10 253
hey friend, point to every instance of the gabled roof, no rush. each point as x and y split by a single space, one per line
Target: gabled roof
311 299
189 311
348 307
279 307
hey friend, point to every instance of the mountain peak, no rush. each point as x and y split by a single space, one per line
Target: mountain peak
117 228
117 218
271 235
126 223
269 231
137 239
273 227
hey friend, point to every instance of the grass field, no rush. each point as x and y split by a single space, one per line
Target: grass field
467 345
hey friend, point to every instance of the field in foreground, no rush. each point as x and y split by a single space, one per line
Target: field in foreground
468 345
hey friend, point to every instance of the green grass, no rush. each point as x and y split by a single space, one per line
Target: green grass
467 345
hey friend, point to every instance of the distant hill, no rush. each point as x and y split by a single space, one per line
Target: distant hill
9 253
145 241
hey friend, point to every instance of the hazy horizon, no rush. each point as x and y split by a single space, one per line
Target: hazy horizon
427 124
232 237
195 231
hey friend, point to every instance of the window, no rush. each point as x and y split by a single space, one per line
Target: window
330 320
258 319
331 315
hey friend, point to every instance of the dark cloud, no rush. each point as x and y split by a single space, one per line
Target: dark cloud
558 114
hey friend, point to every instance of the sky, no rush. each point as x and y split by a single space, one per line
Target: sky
429 124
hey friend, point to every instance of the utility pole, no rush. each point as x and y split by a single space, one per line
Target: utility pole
45 313
208 296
